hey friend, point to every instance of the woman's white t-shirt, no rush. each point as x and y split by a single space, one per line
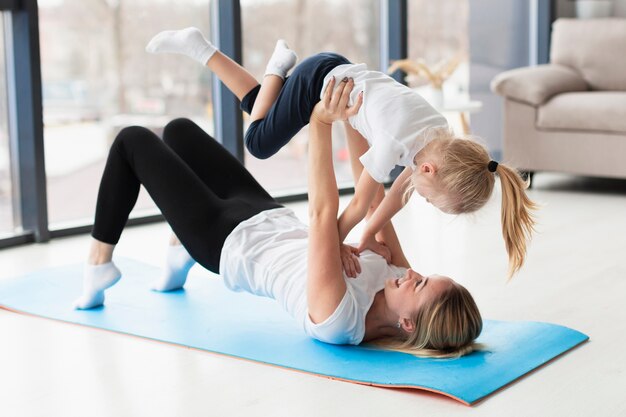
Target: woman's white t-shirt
393 118
266 255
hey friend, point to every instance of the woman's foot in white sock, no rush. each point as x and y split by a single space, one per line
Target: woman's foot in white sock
281 61
96 279
177 266
189 41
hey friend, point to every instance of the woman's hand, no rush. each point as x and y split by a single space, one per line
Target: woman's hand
349 260
334 104
370 242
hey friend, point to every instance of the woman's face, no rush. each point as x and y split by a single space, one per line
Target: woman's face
405 296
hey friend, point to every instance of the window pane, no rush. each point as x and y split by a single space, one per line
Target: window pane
438 37
8 224
348 27
97 79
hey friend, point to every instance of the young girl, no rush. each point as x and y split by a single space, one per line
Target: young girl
454 174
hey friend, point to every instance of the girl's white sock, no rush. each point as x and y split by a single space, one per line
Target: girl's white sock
189 41
178 264
281 61
96 279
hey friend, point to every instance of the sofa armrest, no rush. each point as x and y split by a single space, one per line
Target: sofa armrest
536 85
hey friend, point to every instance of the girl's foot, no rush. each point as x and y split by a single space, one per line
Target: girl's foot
281 61
96 279
189 41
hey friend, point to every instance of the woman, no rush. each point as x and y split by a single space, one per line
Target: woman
233 227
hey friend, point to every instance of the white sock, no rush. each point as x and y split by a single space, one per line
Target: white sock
189 41
281 61
96 279
178 264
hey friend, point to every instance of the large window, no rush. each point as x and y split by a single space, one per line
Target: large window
348 27
8 222
438 38
97 79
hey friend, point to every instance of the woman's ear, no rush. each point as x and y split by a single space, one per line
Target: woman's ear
407 325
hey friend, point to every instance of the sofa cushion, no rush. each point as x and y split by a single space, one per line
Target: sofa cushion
601 111
596 48
536 85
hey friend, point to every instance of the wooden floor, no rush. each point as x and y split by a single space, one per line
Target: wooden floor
575 275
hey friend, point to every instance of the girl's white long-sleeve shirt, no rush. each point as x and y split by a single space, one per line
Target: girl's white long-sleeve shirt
393 118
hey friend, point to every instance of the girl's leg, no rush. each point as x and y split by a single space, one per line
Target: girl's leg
278 113
270 88
293 106
192 43
281 61
235 77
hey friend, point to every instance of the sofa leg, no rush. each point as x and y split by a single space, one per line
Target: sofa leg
528 175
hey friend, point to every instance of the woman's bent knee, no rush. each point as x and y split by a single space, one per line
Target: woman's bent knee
132 136
178 128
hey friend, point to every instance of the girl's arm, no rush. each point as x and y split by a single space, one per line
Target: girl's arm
357 146
389 206
364 192
325 284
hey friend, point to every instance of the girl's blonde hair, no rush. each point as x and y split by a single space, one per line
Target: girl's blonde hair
445 328
462 173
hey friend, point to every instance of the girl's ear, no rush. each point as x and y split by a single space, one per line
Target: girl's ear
427 168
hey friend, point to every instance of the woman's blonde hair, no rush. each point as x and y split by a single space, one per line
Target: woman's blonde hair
447 327
462 172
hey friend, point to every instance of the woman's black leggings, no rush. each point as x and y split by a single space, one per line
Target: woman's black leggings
201 189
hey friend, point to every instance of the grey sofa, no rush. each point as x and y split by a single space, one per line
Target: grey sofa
570 115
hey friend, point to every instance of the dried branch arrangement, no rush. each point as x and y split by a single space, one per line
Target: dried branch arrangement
436 75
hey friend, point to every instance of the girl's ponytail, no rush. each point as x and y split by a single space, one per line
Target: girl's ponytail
517 220
466 175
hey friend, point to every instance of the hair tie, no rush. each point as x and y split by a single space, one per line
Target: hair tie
492 166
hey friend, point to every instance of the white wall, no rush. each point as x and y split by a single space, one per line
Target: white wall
619 8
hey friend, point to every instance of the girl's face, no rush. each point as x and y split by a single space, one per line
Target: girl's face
407 295
425 185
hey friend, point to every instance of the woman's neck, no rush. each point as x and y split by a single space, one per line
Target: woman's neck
379 321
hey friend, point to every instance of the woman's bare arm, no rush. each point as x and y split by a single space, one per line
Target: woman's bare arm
325 284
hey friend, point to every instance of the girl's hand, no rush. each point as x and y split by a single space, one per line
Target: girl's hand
349 260
334 104
370 242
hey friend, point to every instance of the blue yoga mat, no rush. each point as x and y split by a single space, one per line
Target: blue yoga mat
205 315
